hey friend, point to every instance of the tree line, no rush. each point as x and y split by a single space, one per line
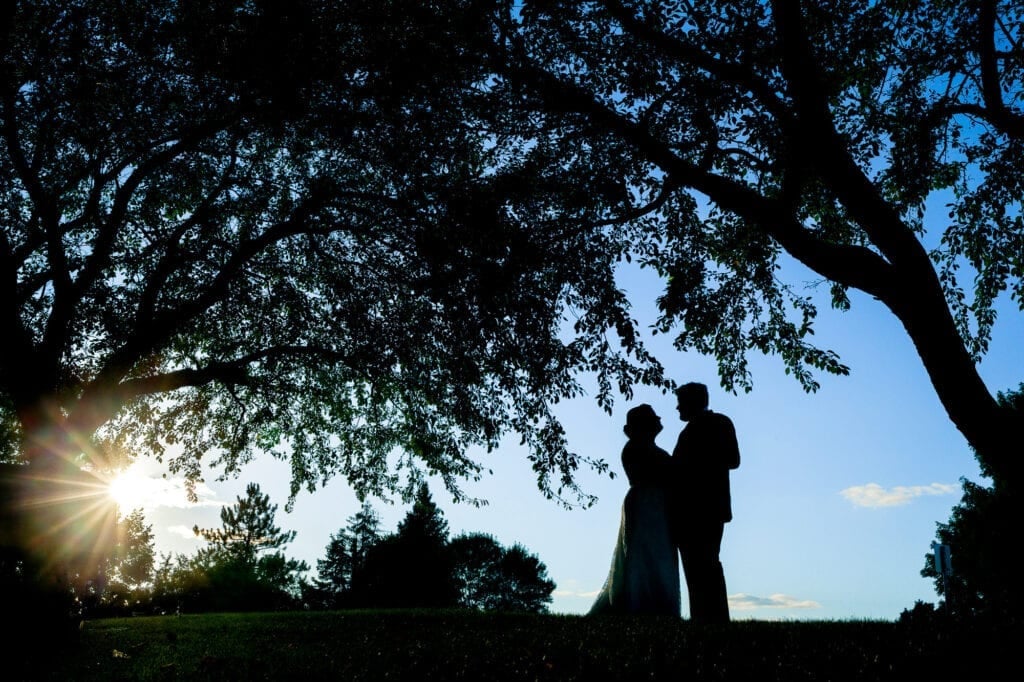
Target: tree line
244 567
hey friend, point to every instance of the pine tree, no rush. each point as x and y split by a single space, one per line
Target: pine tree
248 528
425 522
334 571
244 570
364 532
136 550
346 554
413 567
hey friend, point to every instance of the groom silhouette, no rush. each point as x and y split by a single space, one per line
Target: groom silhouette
701 501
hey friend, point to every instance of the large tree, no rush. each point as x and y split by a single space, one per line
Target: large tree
136 553
120 582
737 133
233 228
366 236
247 528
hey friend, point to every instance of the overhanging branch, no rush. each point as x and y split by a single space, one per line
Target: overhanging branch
101 401
850 265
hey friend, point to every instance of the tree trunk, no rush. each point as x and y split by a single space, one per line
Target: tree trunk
995 433
56 521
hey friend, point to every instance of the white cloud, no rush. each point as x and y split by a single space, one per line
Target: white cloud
737 602
748 602
572 589
184 531
138 487
874 495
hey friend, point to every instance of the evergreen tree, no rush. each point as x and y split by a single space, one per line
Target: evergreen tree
123 579
425 523
136 550
117 574
247 527
413 567
417 566
244 570
346 555
364 532
334 571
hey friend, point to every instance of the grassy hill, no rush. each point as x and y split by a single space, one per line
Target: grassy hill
431 645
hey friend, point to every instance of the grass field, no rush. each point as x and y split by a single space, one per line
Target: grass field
430 645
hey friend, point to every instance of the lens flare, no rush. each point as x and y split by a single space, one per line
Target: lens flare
61 518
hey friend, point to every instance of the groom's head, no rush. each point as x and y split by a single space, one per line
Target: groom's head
691 400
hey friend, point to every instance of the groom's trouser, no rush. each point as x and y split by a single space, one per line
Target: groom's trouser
700 543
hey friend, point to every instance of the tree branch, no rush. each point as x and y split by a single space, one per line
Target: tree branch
998 114
47 212
163 270
917 298
100 257
828 151
162 327
101 400
853 266
12 136
725 71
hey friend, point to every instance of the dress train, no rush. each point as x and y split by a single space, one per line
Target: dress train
644 574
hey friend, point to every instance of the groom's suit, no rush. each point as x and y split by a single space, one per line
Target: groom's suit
702 505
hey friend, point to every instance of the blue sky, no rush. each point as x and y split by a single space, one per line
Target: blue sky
835 502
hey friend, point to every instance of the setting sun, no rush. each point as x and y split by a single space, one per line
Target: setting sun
144 485
130 489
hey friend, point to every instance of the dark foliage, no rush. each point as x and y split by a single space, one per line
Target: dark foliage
345 557
418 566
241 569
411 568
722 138
135 550
120 583
495 578
180 586
75 524
341 232
983 534
262 227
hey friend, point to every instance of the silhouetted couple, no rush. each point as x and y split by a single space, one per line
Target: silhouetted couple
678 502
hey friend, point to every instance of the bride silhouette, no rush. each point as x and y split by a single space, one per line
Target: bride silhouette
644 575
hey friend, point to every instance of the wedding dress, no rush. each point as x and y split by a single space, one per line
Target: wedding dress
644 574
